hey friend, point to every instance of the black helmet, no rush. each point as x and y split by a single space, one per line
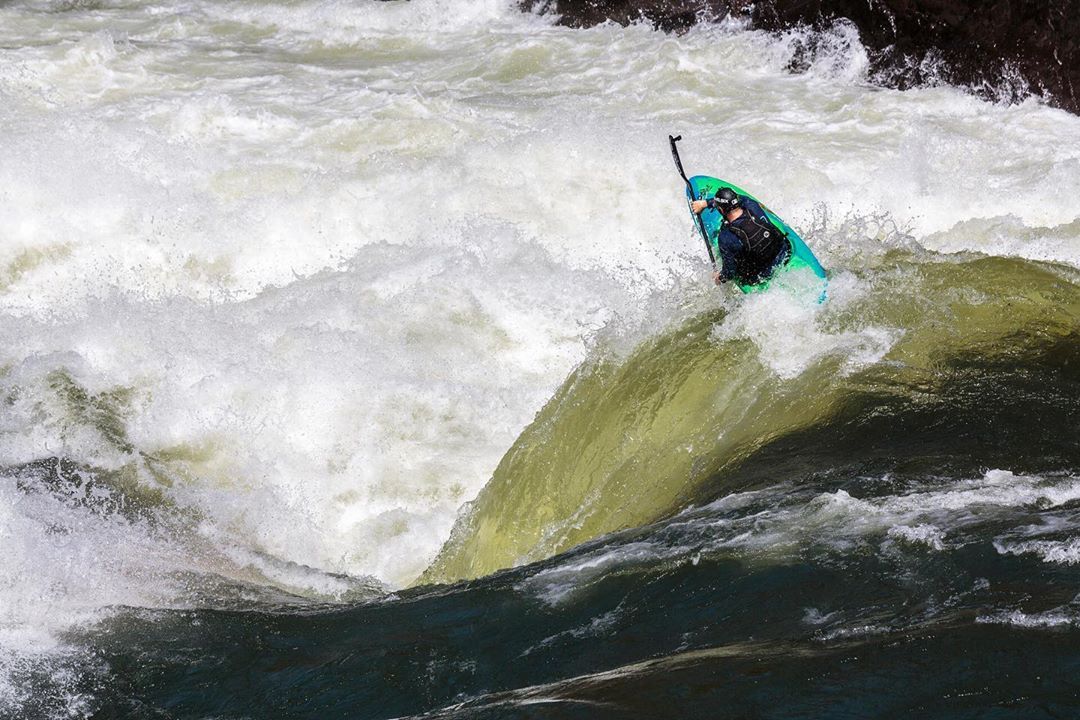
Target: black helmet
727 199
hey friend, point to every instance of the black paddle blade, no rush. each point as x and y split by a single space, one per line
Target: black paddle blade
675 155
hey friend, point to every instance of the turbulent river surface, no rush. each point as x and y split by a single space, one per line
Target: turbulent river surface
360 360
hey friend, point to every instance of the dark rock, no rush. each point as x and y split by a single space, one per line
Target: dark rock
999 48
668 15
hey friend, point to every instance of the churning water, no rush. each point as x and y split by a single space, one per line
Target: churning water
306 303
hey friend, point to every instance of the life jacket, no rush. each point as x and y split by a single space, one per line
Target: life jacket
763 243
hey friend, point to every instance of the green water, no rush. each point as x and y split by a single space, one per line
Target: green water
630 441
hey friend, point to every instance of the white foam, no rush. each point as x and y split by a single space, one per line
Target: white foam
343 23
1010 237
1059 617
560 583
791 329
1061 552
924 534
789 525
925 517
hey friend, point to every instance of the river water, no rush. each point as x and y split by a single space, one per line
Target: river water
307 305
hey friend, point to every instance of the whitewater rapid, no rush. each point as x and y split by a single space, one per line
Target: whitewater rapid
288 279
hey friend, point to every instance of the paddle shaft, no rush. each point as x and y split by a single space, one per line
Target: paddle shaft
701 223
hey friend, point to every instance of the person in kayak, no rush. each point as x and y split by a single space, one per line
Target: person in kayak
751 246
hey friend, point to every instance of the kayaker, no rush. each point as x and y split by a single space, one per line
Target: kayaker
751 247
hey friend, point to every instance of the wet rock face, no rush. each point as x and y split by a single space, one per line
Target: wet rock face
668 15
995 46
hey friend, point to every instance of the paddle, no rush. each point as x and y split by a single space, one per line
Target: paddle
701 223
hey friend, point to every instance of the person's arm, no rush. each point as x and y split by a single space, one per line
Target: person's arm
726 268
727 246
699 206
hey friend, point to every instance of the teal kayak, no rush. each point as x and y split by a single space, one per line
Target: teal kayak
705 187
